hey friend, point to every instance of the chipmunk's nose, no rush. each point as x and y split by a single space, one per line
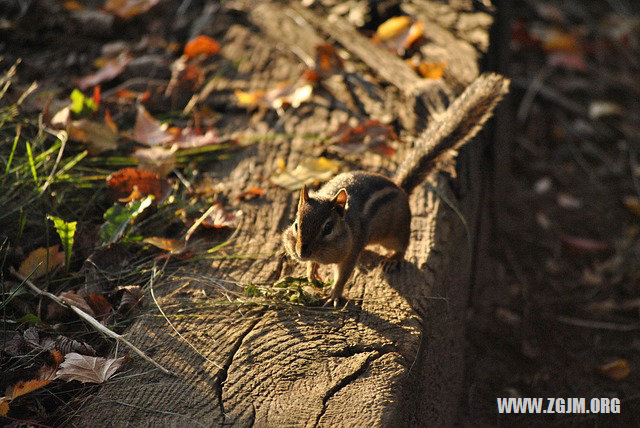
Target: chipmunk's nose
304 251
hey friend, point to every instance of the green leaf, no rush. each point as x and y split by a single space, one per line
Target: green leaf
82 105
30 318
66 232
118 217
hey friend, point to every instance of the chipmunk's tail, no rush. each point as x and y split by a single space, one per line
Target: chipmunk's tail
460 122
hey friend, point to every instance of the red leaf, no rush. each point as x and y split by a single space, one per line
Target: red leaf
201 45
149 131
583 245
122 183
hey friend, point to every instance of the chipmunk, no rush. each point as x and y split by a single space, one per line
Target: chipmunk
359 208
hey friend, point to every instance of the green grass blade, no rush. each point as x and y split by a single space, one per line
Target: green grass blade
32 164
13 151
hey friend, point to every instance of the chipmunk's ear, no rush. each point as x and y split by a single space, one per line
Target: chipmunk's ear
340 200
304 195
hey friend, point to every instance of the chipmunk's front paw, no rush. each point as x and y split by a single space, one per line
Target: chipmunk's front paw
334 298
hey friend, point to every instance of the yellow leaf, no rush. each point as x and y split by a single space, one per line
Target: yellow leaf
310 171
392 27
432 70
27 386
36 262
616 370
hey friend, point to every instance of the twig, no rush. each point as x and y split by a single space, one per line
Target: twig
602 325
63 137
88 319
153 296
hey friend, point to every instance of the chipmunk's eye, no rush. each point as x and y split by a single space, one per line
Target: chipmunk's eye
295 225
328 228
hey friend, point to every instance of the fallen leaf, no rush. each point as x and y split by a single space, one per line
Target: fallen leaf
82 105
41 261
328 62
149 131
310 172
110 70
293 94
392 27
432 70
201 45
632 203
62 118
66 345
100 306
616 370
555 41
399 33
219 218
32 338
74 299
27 386
599 109
251 193
370 135
568 60
126 9
175 248
159 160
166 244
72 5
568 202
4 406
88 369
583 245
190 139
123 182
98 136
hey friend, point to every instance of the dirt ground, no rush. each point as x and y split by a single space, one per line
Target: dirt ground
557 303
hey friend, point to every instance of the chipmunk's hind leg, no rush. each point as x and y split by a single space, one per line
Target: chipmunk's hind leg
398 245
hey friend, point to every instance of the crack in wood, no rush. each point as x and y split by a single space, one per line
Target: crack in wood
225 368
346 381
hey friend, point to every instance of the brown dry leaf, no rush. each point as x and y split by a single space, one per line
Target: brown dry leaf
399 33
66 345
149 131
559 41
371 135
251 193
88 369
122 183
201 45
616 370
100 306
27 386
632 203
110 70
38 262
219 218
166 244
47 372
72 5
285 93
4 406
189 138
328 62
159 160
98 136
309 171
126 9
74 299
